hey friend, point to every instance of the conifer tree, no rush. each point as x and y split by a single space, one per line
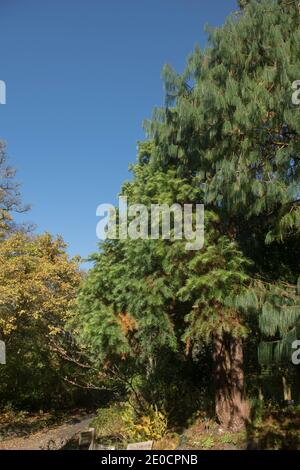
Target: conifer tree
227 136
146 299
230 119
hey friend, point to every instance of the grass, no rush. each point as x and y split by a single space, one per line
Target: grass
205 443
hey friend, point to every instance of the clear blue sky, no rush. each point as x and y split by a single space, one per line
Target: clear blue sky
81 77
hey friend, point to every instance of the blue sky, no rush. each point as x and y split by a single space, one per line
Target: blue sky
81 77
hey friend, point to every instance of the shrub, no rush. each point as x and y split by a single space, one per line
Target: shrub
151 425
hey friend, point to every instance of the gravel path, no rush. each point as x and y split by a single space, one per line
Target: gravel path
48 439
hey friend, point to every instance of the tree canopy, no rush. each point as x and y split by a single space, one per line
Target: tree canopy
228 137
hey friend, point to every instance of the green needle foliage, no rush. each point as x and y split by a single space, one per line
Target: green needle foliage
228 136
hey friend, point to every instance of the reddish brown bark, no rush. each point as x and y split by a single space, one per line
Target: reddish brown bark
231 405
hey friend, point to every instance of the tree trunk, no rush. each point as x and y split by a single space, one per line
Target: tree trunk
287 391
260 392
232 408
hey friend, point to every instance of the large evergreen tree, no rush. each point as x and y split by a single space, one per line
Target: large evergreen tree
147 300
228 136
230 119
